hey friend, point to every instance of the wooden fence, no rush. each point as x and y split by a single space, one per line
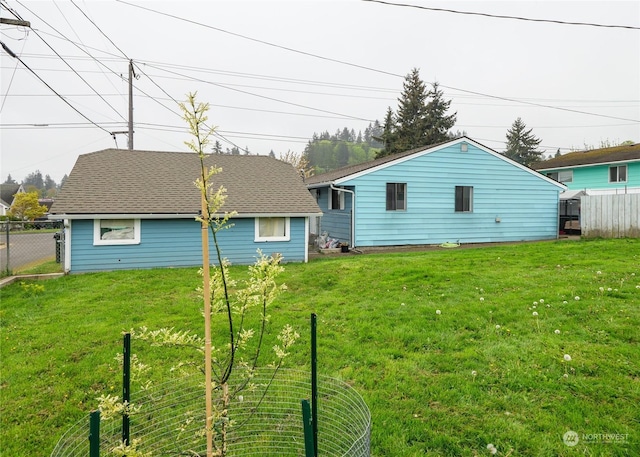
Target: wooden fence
610 216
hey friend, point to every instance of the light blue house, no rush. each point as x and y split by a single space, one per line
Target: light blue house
459 190
606 170
136 209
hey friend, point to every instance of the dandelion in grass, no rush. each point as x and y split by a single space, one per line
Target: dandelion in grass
601 289
565 302
565 376
541 300
535 303
492 449
481 298
598 272
474 373
438 312
535 314
497 326
567 358
557 331
576 298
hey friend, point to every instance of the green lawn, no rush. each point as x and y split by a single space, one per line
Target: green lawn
443 345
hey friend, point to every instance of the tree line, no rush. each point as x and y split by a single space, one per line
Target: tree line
44 187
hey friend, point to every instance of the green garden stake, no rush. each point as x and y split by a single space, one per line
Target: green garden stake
94 434
309 444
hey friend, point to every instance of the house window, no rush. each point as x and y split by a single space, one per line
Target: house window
618 174
464 199
396 196
272 229
116 231
337 199
561 176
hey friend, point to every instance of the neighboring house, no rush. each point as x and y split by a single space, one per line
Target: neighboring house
457 191
614 170
7 192
599 171
136 209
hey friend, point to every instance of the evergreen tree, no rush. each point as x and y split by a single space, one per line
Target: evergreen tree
34 179
10 180
272 154
388 135
522 144
438 123
217 148
411 117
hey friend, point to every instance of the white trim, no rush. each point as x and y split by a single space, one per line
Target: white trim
464 139
306 239
584 165
172 216
98 241
67 246
265 239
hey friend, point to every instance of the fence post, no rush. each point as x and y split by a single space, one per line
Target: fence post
314 384
94 434
309 444
7 225
126 385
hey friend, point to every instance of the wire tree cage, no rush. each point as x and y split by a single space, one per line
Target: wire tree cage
170 421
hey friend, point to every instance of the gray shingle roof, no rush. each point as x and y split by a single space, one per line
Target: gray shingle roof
595 156
116 181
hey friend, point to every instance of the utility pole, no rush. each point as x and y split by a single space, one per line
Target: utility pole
131 76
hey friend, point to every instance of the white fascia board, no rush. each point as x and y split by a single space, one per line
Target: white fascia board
571 167
172 216
463 139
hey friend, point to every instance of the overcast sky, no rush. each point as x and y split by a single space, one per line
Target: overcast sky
276 72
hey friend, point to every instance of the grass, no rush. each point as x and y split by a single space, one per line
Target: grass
482 370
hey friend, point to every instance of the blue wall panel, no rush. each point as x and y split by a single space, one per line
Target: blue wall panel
525 204
177 243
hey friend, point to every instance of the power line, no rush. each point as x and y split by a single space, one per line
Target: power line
100 30
8 51
500 16
67 63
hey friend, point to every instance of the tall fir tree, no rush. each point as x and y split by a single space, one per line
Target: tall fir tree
421 118
438 122
522 144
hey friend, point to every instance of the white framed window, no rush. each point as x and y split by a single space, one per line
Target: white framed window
396 196
272 229
618 174
337 199
562 176
116 231
464 199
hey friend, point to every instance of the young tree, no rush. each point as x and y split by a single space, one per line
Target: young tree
522 144
26 207
298 161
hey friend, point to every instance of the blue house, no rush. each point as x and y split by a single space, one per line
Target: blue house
605 171
127 209
459 190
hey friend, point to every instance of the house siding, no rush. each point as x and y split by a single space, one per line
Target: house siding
177 243
337 223
525 204
597 176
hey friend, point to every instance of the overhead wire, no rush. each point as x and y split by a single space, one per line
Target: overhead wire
67 63
502 16
12 54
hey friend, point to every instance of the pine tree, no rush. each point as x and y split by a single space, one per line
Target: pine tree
438 123
411 117
388 136
522 144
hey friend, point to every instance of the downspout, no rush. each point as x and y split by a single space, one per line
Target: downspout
353 212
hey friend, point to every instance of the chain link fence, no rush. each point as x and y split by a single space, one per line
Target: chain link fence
27 244
170 421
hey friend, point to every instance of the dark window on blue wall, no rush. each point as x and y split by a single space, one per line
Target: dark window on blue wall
618 174
396 196
464 199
